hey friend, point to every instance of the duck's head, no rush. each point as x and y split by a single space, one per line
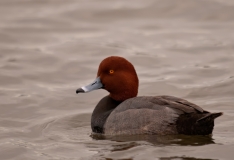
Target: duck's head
117 76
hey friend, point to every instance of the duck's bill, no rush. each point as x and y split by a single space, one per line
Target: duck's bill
97 84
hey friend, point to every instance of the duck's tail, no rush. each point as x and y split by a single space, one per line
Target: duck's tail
210 117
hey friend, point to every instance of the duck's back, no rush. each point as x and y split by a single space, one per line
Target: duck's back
161 115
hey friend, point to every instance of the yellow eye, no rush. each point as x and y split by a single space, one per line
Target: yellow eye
111 71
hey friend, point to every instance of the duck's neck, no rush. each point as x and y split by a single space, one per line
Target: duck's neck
101 112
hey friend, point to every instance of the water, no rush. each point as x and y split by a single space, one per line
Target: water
49 48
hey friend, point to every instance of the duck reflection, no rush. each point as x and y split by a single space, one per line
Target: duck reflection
170 158
183 158
181 140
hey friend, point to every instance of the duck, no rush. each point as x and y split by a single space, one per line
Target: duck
122 112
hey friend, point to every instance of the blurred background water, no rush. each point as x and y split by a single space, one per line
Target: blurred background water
49 48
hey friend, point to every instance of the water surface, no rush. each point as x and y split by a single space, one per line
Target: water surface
49 48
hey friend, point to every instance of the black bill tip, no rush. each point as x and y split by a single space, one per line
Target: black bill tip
79 90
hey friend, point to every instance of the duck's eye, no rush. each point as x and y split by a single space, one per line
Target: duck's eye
111 71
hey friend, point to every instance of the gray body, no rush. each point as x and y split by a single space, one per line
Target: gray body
160 115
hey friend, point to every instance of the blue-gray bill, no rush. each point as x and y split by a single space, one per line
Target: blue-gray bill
97 84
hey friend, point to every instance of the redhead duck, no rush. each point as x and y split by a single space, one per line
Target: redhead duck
123 113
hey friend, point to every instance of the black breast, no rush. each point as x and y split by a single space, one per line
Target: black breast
101 112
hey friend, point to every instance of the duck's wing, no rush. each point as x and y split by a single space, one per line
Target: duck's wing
149 115
177 103
145 115
159 103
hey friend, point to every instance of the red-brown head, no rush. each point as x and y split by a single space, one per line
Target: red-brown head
117 76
